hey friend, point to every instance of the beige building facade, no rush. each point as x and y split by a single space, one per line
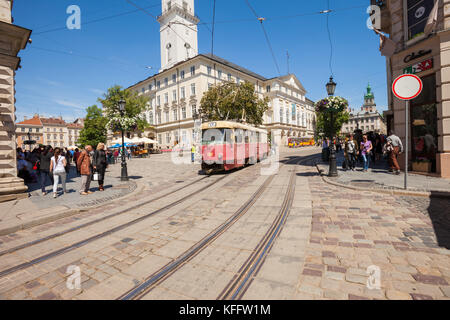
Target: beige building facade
12 39
427 56
175 93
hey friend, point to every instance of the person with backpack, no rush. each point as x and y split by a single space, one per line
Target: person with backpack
393 147
44 167
350 150
58 165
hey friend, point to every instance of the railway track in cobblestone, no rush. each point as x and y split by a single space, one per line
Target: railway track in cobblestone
239 284
151 282
90 223
84 242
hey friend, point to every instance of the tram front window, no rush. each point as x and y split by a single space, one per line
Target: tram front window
216 136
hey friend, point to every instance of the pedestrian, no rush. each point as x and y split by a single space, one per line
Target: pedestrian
366 151
100 164
76 155
116 155
58 165
85 164
325 149
394 147
44 167
193 153
350 149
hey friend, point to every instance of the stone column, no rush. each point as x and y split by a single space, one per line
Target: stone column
12 40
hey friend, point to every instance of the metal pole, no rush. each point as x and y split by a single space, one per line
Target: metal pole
406 142
124 171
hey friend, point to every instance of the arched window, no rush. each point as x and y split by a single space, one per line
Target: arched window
169 52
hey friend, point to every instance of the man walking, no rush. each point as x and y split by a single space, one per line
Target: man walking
396 149
350 149
193 153
84 162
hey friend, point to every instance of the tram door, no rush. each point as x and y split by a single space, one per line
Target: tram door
239 146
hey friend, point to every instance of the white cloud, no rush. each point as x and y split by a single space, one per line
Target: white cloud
69 104
97 91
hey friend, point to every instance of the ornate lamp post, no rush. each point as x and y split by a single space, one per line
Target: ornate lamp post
124 171
332 172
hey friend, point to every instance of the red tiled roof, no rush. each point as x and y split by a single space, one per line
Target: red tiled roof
74 125
53 121
35 121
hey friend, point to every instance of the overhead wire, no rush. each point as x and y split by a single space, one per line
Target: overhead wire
261 20
213 26
329 38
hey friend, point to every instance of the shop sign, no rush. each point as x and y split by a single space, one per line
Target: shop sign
414 55
419 67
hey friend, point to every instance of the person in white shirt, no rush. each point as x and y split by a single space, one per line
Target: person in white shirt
58 169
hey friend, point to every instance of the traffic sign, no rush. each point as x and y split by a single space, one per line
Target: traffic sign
407 86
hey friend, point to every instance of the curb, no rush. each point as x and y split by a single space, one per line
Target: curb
426 194
63 214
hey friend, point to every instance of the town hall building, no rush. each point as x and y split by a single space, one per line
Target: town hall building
176 91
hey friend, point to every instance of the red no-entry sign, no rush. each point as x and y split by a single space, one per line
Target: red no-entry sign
407 86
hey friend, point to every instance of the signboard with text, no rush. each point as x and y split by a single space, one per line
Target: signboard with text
419 67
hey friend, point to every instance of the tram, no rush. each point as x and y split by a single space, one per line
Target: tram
300 142
227 145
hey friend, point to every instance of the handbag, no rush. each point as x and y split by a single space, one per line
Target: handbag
95 176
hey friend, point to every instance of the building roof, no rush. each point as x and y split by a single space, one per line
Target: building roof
53 121
74 126
35 121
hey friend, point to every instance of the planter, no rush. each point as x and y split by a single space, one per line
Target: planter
421 166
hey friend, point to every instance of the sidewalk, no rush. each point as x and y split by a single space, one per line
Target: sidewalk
378 177
37 209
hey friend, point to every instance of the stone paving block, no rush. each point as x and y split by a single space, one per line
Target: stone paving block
397 295
146 267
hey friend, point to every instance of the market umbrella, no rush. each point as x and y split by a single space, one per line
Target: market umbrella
119 140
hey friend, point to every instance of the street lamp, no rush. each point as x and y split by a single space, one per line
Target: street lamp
332 172
124 171
331 86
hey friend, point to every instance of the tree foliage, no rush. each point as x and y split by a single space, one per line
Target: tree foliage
230 101
135 107
331 115
94 130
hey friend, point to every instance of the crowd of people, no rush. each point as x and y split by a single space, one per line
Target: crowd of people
366 149
46 163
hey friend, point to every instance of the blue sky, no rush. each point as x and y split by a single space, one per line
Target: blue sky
64 71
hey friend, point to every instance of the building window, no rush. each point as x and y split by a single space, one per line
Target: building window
166 82
150 87
169 5
209 70
287 116
23 130
183 93
193 71
160 138
166 98
174 78
159 117
183 112
281 115
174 95
167 137
158 101
417 15
194 109
150 118
167 116
182 74
219 74
175 115
143 90
49 136
229 77
158 85
193 89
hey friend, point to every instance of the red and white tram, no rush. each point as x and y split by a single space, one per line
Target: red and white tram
228 145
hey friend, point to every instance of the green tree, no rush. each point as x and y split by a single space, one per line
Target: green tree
331 115
230 101
135 106
94 130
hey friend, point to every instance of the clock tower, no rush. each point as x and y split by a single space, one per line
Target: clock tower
178 29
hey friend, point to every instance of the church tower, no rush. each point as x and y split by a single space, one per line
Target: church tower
178 29
369 101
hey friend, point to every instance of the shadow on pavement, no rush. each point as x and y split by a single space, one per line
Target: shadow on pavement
438 212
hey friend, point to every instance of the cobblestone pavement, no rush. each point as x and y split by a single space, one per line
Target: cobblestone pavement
332 235
378 176
352 231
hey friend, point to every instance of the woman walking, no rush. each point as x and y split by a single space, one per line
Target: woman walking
366 149
100 164
58 167
44 167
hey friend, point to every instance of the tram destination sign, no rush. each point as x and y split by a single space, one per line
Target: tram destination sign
419 67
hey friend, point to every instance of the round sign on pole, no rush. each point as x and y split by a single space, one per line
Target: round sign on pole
407 86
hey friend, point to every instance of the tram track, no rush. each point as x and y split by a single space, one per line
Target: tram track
169 269
120 227
90 223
